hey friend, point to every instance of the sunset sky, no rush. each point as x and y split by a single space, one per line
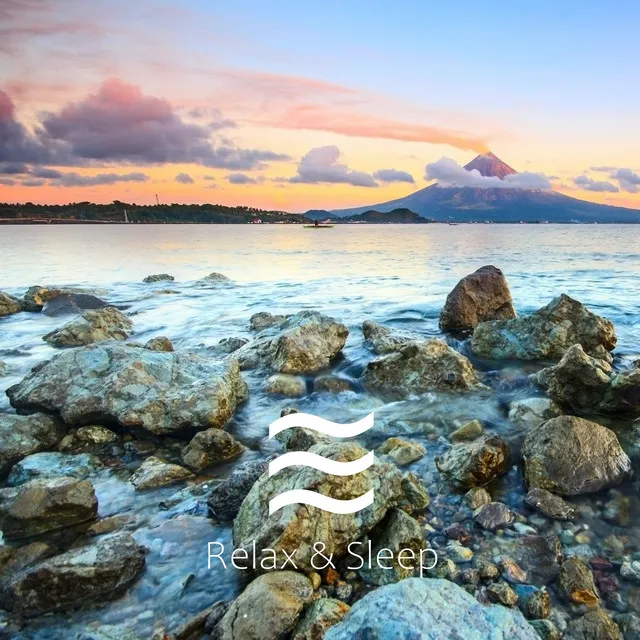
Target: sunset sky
295 105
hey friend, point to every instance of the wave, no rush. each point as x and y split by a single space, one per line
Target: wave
326 427
315 461
311 498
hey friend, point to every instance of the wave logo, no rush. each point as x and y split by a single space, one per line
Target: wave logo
326 465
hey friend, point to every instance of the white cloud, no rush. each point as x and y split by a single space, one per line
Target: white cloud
320 165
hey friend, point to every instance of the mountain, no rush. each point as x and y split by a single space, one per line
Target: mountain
397 216
471 204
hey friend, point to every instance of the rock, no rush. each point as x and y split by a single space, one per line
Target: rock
631 571
9 304
494 515
284 384
229 345
546 630
331 384
44 505
264 320
576 582
428 608
458 553
225 500
161 343
487 570
305 342
162 393
550 505
155 472
476 497
469 431
52 464
538 605
475 463
89 439
72 304
545 334
299 526
159 277
594 625
97 325
209 447
512 572
502 593
382 339
572 456
415 493
481 296
21 436
301 439
216 278
37 297
402 451
531 412
429 365
319 616
623 393
539 555
267 609
79 577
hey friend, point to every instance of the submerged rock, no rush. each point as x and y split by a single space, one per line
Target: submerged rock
503 594
402 451
72 304
9 304
319 616
79 577
287 385
382 339
494 515
418 367
52 464
209 447
549 504
37 297
468 431
163 393
576 582
428 608
155 472
159 277
545 334
532 412
572 456
331 384
160 343
229 345
97 325
216 278
481 296
594 625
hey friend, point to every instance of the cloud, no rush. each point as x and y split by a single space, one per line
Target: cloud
393 175
242 178
627 179
33 182
208 177
449 173
602 169
184 178
45 172
7 182
320 165
13 168
216 120
73 179
589 184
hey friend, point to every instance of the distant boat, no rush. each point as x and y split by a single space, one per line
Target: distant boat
318 226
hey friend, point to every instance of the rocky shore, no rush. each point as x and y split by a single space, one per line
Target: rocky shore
507 446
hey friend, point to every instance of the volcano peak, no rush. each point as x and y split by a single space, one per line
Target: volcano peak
489 165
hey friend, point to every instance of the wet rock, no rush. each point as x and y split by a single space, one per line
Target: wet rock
200 625
594 625
301 439
217 278
550 505
72 304
287 385
155 472
429 365
494 515
21 436
623 393
487 570
480 296
161 343
97 325
9 304
82 576
44 505
469 431
512 572
459 553
209 447
305 342
163 393
159 277
572 456
331 384
531 412
402 451
576 582
502 593
52 464
264 320
545 334
540 556
320 615
416 496
229 345
225 500
20 558
538 605
630 570
545 629
267 609
383 340
299 526
475 463
37 297
89 439
428 608
476 497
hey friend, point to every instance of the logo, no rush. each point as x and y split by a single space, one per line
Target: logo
326 465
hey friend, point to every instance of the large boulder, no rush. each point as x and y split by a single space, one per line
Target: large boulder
428 608
418 367
545 334
37 297
319 616
44 505
382 339
210 447
299 526
97 325
572 456
305 342
20 436
79 577
9 304
481 296
159 392
72 304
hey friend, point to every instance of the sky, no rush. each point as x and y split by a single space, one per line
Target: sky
292 106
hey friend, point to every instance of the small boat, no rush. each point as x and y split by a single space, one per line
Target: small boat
318 226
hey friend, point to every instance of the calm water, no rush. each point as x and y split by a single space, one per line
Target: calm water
397 275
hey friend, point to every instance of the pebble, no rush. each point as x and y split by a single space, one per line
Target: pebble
502 593
458 553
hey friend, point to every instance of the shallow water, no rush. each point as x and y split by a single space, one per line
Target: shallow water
396 275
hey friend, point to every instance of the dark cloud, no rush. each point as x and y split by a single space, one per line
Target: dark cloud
320 165
589 184
45 172
184 178
13 168
627 179
33 182
7 182
242 178
393 175
73 179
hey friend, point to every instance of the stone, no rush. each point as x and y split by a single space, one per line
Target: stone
299 526
21 436
229 345
89 439
459 553
531 412
539 555
383 339
546 630
82 576
623 393
216 278
268 609
331 384
476 497
161 393
155 472
492 516
301 439
159 277
319 616
618 510
630 570
487 570
481 296
428 608
475 463
210 447
402 451
572 456
576 583
416 496
545 334
72 304
428 365
9 304
503 594
45 505
52 464
550 505
538 605
512 572
287 385
469 431
97 325
37 297
264 320
160 343
593 625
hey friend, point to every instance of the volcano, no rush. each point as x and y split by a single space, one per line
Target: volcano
473 204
